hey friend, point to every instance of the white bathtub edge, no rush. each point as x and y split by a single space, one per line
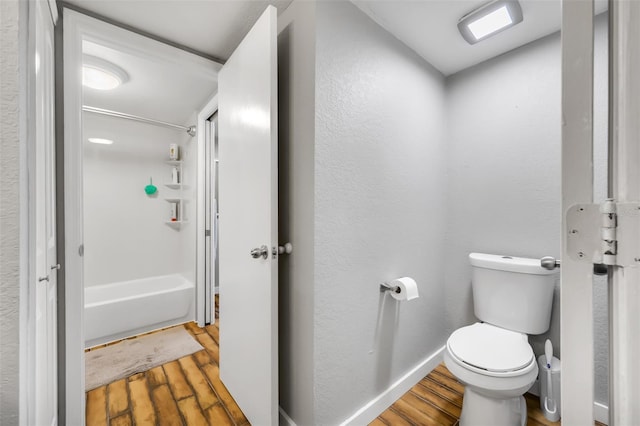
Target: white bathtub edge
142 330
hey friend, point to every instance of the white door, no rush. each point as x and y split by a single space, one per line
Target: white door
248 185
45 279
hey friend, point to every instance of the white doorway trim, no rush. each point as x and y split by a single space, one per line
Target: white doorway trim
576 322
74 28
79 27
624 175
207 111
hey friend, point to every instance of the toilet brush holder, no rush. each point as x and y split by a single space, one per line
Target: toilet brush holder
550 388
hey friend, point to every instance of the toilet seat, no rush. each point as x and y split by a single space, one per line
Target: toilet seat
491 350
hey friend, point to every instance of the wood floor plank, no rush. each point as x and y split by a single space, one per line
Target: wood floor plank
156 377
121 420
204 392
436 413
393 418
213 374
445 392
217 415
415 416
378 422
177 381
141 405
202 357
191 412
442 369
214 332
447 381
193 328
210 345
534 422
117 397
442 403
167 409
137 376
96 414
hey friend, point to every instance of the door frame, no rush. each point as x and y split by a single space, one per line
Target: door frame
79 27
624 186
576 321
207 111
28 273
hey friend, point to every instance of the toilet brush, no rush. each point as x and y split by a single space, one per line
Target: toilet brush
549 402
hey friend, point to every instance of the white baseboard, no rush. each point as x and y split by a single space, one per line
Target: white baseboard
285 420
377 405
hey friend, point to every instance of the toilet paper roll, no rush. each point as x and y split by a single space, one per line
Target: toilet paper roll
408 289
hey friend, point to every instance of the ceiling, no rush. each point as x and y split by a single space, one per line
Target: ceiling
213 27
429 27
216 27
160 90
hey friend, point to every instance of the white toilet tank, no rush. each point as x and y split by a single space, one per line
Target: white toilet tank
512 292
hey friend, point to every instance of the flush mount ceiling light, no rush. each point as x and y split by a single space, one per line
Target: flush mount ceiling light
100 141
489 19
102 75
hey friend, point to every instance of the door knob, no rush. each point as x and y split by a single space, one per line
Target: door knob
262 251
43 279
285 249
56 266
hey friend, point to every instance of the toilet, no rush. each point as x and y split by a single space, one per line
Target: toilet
512 298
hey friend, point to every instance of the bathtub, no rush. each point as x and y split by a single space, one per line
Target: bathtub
123 309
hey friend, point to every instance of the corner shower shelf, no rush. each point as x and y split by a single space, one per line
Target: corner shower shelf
177 223
176 185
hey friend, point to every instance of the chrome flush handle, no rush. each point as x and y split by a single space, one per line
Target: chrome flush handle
549 263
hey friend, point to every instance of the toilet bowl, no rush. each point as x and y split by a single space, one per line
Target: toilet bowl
493 358
497 367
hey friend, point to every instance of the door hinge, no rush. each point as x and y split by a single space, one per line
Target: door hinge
604 234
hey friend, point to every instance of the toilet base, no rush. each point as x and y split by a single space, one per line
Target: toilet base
481 410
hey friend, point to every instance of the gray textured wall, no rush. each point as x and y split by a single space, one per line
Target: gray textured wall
504 172
12 106
379 213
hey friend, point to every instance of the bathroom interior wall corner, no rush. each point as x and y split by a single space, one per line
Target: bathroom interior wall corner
188 247
504 185
13 300
296 139
379 213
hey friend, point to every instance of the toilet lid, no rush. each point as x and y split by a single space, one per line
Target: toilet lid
491 348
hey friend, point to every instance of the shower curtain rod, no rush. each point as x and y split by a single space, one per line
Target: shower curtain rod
190 130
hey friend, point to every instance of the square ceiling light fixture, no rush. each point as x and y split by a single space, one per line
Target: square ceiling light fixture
489 19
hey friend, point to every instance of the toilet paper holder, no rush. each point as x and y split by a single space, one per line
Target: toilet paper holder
388 287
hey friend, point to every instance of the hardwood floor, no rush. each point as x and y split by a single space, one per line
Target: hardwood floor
437 400
187 391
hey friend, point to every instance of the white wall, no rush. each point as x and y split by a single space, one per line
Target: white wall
12 127
504 172
126 236
189 156
379 209
296 110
